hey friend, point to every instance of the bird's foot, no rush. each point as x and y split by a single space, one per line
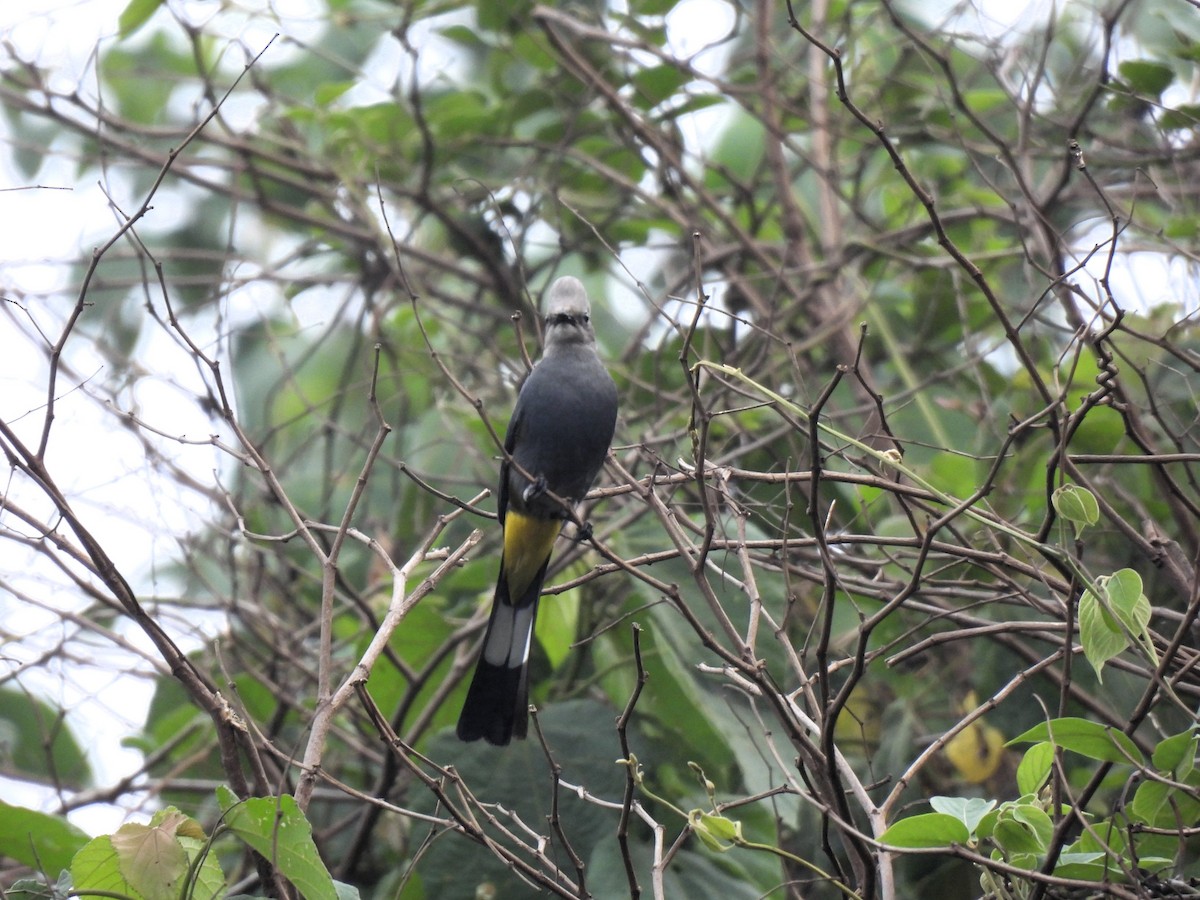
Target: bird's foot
536 488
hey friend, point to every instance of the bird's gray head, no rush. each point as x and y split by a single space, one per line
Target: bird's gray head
568 315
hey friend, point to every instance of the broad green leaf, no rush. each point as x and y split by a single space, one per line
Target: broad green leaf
556 626
466 37
1034 768
330 91
151 860
1182 227
580 733
652 7
135 15
1183 116
38 840
458 113
1176 754
1015 837
28 726
1128 603
926 830
685 705
1100 637
1090 739
97 867
1151 805
657 83
1091 866
1163 806
208 881
968 810
1101 431
1036 819
954 473
740 147
1146 76
1105 836
1076 504
985 99
276 828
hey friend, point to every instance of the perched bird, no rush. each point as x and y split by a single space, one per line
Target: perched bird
556 442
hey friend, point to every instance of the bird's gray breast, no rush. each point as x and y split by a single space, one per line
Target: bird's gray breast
565 414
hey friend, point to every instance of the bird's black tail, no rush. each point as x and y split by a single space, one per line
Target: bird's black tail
497 704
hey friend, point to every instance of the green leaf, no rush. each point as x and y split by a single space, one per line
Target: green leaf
656 83
968 810
1090 739
1176 754
1128 603
985 100
97 867
276 828
27 727
464 36
1145 76
151 860
1100 637
135 15
1077 505
556 626
1105 836
1015 837
458 113
687 709
652 7
953 473
38 840
208 881
1034 768
740 147
1151 805
330 91
1091 866
575 729
1163 806
1183 116
1182 227
927 830
1036 820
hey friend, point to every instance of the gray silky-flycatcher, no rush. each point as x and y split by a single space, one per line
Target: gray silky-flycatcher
555 445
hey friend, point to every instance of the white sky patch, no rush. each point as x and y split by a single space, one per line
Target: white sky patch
61 34
1140 280
697 31
1002 21
45 235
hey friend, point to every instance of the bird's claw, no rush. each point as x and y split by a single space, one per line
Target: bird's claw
535 489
